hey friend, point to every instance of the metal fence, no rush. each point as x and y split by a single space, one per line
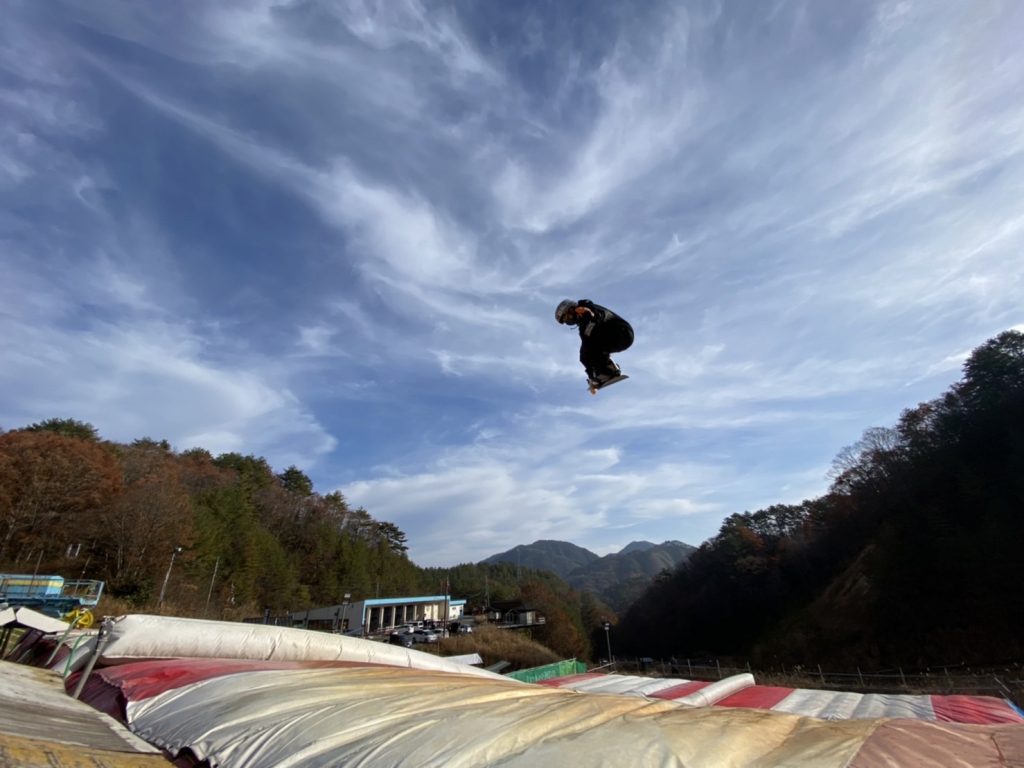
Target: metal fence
1003 681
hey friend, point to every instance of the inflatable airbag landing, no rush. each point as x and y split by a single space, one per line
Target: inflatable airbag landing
252 714
139 636
712 694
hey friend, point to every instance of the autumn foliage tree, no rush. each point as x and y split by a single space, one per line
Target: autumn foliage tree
249 539
139 528
50 486
563 630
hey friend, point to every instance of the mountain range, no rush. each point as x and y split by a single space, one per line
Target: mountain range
617 579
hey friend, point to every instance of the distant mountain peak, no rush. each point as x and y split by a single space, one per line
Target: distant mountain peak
559 557
637 546
618 578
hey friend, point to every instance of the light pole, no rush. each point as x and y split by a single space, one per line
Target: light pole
167 576
608 639
344 609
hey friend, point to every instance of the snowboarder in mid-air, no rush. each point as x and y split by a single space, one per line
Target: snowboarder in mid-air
601 333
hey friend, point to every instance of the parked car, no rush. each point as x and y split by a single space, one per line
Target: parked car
405 639
426 636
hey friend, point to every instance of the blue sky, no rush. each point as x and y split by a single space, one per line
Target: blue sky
333 234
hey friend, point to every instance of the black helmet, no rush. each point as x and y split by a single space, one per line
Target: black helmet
565 311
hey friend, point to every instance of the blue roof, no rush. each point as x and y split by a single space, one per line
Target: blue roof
431 599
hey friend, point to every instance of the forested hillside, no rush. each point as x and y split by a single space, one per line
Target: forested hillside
250 539
912 557
76 505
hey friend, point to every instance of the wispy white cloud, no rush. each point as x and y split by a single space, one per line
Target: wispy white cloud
93 323
428 260
425 252
150 379
387 25
493 503
316 340
648 98
42 108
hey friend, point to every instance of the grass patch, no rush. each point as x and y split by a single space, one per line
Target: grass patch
496 645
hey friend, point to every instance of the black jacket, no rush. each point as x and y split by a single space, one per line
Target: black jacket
604 330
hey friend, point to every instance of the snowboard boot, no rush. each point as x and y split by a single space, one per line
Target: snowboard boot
607 375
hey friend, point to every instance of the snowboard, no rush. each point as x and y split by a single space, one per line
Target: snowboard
593 389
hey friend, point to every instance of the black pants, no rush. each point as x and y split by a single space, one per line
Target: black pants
596 349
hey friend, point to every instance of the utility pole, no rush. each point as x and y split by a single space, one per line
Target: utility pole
608 639
213 578
447 604
167 576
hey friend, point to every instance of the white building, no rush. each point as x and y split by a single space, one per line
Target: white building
379 614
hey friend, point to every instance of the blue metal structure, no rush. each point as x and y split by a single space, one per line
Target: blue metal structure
52 595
